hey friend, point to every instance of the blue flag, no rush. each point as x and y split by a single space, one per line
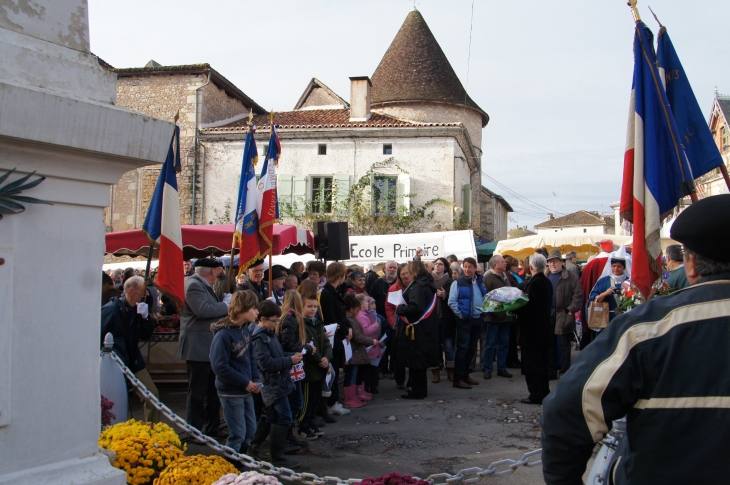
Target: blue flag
247 220
697 140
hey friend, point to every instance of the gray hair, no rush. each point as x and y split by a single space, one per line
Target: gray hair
571 255
133 283
674 252
456 267
538 262
704 265
494 260
203 270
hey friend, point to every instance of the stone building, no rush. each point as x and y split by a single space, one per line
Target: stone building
713 182
198 94
494 215
581 222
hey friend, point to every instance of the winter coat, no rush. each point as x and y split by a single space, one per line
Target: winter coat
359 343
492 281
445 311
568 298
274 364
466 300
333 311
289 334
389 307
128 328
262 291
370 278
316 334
534 318
419 345
379 291
201 309
232 358
371 329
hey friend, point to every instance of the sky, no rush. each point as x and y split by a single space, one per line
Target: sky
554 77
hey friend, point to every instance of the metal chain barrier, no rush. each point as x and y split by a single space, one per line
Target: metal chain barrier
467 475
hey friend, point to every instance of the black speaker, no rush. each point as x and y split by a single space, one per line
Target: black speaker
338 241
320 240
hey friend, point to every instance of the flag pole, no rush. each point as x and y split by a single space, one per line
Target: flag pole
271 274
634 10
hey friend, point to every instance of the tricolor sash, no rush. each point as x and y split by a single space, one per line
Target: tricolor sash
410 331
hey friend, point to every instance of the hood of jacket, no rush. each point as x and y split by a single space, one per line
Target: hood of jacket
425 280
225 322
259 330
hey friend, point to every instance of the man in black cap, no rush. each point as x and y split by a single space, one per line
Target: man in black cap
278 278
255 280
202 307
663 365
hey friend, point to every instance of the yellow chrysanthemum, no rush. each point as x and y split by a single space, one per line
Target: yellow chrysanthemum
195 470
141 429
141 458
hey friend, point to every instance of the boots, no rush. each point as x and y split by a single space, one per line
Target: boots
436 375
262 431
362 395
450 371
351 400
278 442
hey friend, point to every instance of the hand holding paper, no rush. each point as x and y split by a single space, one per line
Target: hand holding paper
396 298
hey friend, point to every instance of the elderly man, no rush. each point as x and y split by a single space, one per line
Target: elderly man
382 284
127 318
255 280
495 338
651 365
677 278
108 290
466 292
118 278
370 278
202 307
291 282
571 263
567 300
278 277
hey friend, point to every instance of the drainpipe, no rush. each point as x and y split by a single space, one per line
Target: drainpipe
202 184
195 143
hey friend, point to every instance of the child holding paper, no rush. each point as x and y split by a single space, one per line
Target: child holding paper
360 343
367 375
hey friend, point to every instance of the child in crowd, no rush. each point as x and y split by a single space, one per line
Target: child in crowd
275 365
359 342
234 365
316 367
292 334
368 318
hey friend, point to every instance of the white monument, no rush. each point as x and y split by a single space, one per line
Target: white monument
57 117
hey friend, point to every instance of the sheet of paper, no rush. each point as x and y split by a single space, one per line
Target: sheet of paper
383 339
304 351
375 361
348 350
396 298
329 378
331 329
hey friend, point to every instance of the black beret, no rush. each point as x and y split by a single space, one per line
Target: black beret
704 227
278 273
208 263
258 262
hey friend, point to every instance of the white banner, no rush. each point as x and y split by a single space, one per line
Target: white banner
399 247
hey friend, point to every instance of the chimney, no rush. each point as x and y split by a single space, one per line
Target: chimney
550 216
360 98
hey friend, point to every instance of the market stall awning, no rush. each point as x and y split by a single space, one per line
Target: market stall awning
213 239
583 244
486 250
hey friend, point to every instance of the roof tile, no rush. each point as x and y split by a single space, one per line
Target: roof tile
580 218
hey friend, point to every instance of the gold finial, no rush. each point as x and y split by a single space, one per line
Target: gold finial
634 10
250 117
271 116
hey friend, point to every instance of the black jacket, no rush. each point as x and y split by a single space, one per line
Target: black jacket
379 291
316 334
289 335
333 311
128 328
663 365
274 364
423 350
534 318
262 292
370 278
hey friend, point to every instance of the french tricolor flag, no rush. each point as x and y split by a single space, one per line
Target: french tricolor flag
268 209
162 225
656 172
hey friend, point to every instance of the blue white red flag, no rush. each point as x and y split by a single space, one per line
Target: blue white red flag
696 138
246 235
656 172
269 206
296 373
162 225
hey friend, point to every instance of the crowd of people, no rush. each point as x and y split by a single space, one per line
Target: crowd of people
272 358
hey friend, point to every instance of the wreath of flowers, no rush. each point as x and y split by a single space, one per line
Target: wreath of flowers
247 478
195 470
139 429
143 458
394 479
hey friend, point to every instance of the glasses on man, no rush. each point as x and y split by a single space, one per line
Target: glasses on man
273 320
439 263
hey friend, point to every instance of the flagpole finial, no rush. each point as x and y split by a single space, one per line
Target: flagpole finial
271 116
634 10
250 117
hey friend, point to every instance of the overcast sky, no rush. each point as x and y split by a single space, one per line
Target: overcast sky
554 77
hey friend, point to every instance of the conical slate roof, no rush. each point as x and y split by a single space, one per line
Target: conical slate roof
416 69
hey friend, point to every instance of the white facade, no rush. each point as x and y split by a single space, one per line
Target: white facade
57 118
548 231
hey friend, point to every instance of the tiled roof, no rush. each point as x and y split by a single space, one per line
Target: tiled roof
317 84
724 103
414 68
580 218
318 119
498 197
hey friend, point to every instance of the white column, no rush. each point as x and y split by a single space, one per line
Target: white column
57 118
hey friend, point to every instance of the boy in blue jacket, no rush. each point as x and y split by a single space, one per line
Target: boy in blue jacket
234 364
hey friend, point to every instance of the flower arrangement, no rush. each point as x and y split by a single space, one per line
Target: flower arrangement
394 479
195 470
139 429
247 478
143 458
107 416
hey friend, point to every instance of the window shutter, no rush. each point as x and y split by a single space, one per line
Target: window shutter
342 193
404 192
283 190
299 194
466 201
367 196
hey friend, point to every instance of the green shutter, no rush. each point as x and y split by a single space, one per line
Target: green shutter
341 193
299 194
283 191
466 201
404 192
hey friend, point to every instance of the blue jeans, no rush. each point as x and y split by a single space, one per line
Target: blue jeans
295 399
241 420
279 412
497 340
449 351
467 334
350 375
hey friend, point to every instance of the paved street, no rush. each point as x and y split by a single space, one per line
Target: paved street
450 430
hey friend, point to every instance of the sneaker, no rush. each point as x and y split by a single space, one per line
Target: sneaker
306 434
339 410
317 431
319 422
